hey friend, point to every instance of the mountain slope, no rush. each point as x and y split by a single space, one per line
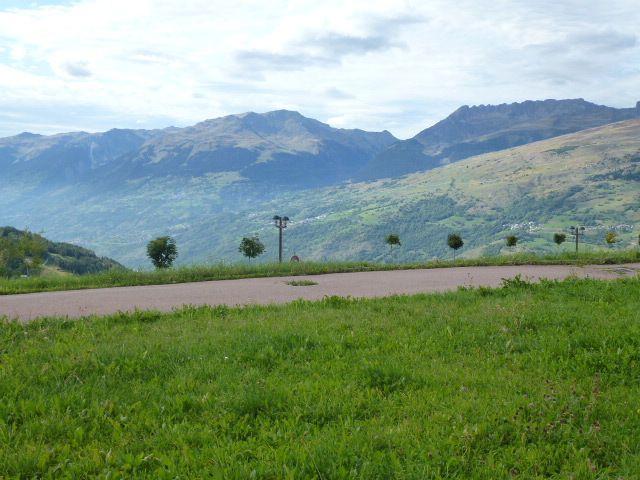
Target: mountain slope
68 157
281 147
475 130
590 177
65 257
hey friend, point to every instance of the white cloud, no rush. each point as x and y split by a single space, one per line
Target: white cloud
381 64
77 69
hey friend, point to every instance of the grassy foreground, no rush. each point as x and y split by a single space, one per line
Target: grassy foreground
122 278
526 381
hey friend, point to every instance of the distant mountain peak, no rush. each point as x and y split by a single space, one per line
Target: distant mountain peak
27 135
284 113
561 110
478 129
281 114
277 117
524 107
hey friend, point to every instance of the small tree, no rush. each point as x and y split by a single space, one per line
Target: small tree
611 238
559 238
512 241
251 247
391 240
162 251
455 242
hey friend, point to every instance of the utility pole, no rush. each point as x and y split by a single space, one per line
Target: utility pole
281 224
577 232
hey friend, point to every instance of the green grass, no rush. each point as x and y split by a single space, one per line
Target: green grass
121 278
526 381
302 283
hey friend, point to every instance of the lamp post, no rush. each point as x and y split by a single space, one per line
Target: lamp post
577 232
281 224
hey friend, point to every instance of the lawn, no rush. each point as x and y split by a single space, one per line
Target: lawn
200 273
525 381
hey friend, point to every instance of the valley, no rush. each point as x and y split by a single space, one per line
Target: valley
194 185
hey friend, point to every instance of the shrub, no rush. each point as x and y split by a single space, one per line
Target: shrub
516 282
611 238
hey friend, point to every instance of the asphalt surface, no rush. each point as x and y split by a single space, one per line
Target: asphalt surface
81 303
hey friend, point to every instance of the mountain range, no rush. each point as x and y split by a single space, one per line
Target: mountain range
281 147
211 183
472 131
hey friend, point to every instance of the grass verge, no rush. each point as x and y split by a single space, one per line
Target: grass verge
302 283
122 278
526 381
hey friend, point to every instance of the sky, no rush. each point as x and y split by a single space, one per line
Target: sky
378 64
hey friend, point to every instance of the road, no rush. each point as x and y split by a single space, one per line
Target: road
80 303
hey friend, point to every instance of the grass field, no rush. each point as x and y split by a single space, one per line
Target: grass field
526 381
122 278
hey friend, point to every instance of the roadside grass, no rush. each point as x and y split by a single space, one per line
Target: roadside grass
122 278
302 283
525 381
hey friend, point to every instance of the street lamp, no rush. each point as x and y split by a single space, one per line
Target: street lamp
281 224
577 232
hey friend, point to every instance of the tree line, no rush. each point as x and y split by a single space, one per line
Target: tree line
162 251
455 242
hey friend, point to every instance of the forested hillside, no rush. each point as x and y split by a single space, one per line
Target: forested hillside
23 252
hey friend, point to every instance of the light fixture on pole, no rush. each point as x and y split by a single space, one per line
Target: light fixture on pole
281 224
577 232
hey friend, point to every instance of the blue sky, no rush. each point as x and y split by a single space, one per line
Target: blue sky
377 64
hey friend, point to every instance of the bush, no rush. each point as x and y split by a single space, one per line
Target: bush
611 238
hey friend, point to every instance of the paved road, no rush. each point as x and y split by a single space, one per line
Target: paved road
79 303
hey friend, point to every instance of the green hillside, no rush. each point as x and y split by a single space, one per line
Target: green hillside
589 178
53 257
